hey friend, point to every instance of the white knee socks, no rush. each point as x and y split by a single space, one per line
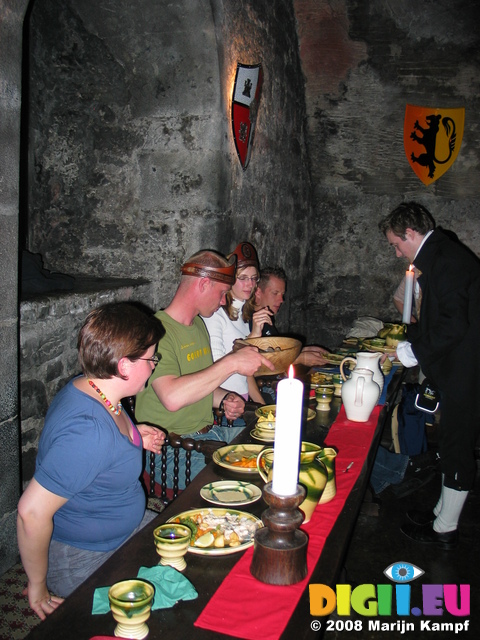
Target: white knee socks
448 509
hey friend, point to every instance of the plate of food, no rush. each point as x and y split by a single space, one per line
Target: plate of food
334 358
270 409
230 492
238 457
218 532
377 344
318 379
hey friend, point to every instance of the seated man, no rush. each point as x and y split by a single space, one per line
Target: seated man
269 297
186 384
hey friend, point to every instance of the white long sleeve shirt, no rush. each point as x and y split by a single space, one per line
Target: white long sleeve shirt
223 332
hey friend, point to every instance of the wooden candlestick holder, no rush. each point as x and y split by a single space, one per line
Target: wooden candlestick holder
280 549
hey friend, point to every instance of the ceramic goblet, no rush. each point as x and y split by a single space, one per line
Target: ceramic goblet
337 385
324 397
130 603
172 542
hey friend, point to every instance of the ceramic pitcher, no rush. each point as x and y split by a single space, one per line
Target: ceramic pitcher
327 455
359 395
313 474
366 360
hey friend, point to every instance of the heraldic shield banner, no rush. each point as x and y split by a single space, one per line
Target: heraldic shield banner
432 139
246 95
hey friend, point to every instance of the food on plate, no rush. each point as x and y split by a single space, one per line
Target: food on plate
246 462
317 377
334 358
213 530
270 417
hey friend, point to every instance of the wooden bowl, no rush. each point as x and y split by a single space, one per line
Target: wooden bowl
279 350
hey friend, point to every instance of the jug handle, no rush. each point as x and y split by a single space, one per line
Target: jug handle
259 467
359 391
320 460
347 359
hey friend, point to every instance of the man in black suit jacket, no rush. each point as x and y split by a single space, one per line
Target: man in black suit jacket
446 344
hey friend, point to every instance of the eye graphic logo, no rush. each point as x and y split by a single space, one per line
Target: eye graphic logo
402 572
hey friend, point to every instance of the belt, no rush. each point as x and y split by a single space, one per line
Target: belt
206 429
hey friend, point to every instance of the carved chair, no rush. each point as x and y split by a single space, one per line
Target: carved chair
167 494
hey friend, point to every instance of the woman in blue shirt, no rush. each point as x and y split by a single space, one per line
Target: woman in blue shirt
86 498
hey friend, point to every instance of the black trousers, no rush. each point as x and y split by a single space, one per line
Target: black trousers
458 433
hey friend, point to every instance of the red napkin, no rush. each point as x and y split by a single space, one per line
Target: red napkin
244 607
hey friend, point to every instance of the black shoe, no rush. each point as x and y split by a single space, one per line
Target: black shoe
426 535
412 482
417 516
423 461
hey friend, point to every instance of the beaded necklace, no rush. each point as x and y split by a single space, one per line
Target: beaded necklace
118 410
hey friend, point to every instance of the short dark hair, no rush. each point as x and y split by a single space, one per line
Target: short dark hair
408 215
113 331
267 273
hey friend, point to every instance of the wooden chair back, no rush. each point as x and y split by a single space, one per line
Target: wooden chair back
167 494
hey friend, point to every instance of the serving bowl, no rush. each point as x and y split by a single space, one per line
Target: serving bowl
279 350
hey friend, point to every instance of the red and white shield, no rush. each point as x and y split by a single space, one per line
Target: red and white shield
246 95
432 139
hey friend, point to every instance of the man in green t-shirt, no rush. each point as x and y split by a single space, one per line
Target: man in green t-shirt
186 384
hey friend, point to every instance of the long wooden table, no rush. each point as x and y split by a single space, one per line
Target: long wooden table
73 619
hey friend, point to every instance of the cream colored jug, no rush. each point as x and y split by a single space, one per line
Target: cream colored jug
360 394
366 360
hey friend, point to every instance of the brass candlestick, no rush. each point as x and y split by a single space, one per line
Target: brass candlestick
280 549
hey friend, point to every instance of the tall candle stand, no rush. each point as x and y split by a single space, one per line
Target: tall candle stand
280 548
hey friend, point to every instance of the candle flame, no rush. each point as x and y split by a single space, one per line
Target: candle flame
291 372
411 267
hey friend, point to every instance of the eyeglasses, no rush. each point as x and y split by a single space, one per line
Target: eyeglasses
254 279
155 359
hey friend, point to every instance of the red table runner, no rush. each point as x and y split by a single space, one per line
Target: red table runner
244 607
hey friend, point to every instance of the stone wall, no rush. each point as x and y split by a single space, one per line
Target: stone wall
133 165
48 349
11 19
363 63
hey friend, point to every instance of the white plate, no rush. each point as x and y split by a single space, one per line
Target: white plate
214 551
230 492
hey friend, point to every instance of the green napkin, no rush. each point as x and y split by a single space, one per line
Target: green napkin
170 587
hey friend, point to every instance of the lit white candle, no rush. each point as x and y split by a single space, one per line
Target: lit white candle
407 301
288 423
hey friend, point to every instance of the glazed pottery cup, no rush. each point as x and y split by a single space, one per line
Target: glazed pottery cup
324 396
337 384
130 603
172 542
